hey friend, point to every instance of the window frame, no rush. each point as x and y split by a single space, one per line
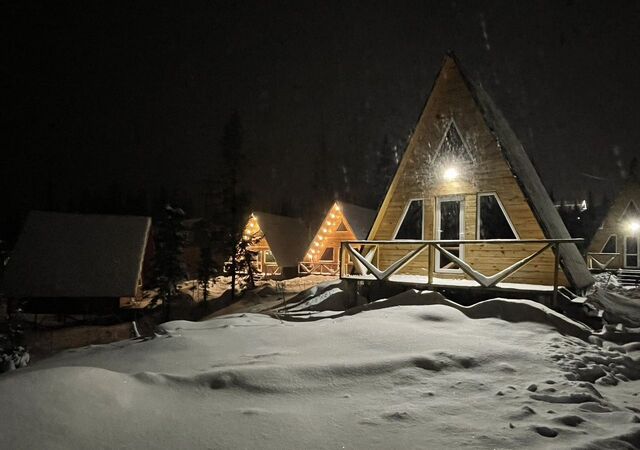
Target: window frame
502 208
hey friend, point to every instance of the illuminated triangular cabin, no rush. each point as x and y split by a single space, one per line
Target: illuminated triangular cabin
466 207
343 222
615 243
283 243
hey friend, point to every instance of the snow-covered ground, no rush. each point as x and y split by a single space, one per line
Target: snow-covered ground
413 376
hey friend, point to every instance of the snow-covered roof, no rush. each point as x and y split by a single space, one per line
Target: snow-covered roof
288 237
77 255
360 219
521 166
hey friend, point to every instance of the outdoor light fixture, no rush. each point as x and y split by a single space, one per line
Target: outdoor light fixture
634 226
450 173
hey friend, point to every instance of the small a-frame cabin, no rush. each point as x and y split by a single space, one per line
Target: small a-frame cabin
466 206
343 222
78 263
615 243
281 244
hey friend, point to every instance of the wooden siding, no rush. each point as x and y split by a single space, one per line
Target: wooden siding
489 173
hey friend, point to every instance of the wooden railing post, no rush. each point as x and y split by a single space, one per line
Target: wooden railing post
556 248
430 257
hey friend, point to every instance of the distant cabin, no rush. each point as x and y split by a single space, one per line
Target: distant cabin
78 263
615 243
283 241
343 222
465 176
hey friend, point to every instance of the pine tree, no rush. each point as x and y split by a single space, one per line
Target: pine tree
168 268
207 269
234 204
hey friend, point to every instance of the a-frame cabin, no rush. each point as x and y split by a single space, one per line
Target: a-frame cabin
465 176
342 222
615 243
281 244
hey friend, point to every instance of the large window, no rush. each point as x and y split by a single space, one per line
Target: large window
411 224
493 222
611 246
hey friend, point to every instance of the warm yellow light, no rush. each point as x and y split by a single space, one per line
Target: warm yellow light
634 226
337 208
333 216
320 237
450 173
324 230
317 244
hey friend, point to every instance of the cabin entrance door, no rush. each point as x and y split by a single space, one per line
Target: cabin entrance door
631 252
449 226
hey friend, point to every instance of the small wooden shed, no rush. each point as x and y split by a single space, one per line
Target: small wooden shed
466 185
78 263
282 244
342 222
615 243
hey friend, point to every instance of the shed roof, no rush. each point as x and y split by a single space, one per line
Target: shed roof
288 237
77 255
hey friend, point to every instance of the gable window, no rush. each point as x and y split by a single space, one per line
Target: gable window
341 227
327 255
493 221
411 224
630 213
611 246
452 147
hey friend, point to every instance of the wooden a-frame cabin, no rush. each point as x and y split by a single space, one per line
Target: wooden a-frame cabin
615 243
342 222
283 241
466 207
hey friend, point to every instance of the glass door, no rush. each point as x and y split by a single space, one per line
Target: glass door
449 226
631 251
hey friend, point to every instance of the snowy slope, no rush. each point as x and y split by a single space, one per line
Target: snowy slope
421 376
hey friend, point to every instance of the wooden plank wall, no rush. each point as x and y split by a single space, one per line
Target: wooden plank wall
489 172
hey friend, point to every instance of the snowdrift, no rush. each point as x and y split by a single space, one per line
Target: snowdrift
417 376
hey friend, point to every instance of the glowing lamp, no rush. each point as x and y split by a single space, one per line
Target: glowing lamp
634 226
450 173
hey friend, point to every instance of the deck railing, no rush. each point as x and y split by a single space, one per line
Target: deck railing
601 261
319 268
358 263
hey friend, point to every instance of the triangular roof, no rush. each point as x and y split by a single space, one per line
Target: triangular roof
288 237
77 255
627 197
524 172
360 219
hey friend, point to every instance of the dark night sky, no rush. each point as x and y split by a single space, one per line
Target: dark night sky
139 92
